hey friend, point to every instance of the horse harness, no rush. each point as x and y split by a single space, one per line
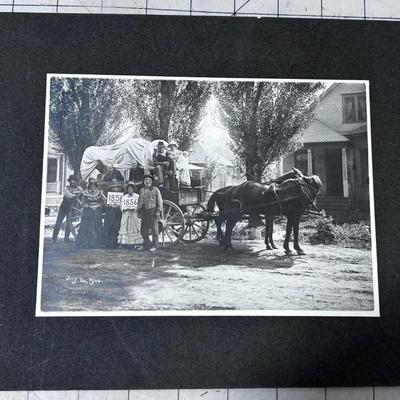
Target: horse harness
305 187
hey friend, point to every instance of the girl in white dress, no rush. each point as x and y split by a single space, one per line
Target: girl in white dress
183 168
129 232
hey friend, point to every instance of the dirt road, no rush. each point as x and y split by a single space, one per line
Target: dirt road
202 277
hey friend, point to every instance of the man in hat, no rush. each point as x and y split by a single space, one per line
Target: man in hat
71 191
174 153
163 164
149 210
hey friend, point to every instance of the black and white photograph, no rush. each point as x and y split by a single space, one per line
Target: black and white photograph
206 196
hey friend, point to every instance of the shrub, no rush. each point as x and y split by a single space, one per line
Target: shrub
327 231
356 235
323 231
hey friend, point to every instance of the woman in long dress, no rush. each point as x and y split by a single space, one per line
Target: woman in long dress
89 234
129 232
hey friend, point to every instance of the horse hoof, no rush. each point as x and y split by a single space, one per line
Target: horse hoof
268 248
274 247
301 252
289 252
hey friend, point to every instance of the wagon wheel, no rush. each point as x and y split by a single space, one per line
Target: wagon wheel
172 224
196 228
75 215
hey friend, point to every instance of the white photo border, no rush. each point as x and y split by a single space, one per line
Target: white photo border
201 313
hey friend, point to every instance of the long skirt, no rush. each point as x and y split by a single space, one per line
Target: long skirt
112 223
129 232
90 228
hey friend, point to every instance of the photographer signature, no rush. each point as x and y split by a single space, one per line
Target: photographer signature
86 281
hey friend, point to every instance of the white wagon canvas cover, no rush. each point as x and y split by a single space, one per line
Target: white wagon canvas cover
119 155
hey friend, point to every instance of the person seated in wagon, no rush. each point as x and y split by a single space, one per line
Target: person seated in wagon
90 228
163 165
173 150
136 173
129 232
112 174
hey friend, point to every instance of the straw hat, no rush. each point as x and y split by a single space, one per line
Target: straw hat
130 183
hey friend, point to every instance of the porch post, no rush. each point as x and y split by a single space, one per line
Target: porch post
59 182
309 162
344 173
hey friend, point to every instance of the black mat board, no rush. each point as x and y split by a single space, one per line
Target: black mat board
188 352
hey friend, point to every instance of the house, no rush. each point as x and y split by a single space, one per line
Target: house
336 148
57 175
220 157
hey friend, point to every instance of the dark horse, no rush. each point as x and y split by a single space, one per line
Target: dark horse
289 195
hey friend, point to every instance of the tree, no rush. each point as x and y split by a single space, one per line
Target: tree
169 109
83 112
266 119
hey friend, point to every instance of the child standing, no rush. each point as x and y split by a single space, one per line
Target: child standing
129 232
112 220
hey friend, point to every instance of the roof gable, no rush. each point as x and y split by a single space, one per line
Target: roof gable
318 132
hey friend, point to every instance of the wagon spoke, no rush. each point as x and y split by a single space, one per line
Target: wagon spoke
175 218
169 210
168 235
175 232
194 230
199 226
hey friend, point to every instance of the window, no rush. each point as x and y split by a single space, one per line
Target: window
52 170
300 161
354 108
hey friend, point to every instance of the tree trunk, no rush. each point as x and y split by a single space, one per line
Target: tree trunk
165 111
252 161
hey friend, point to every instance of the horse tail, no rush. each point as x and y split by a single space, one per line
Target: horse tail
211 203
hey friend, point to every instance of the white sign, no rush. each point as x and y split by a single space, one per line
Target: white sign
114 198
130 202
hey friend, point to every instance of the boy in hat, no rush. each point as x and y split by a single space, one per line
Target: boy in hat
71 191
174 153
149 210
163 163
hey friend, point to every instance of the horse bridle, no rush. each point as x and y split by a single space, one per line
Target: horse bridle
310 191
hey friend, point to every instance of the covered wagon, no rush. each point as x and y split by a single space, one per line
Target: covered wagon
182 207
